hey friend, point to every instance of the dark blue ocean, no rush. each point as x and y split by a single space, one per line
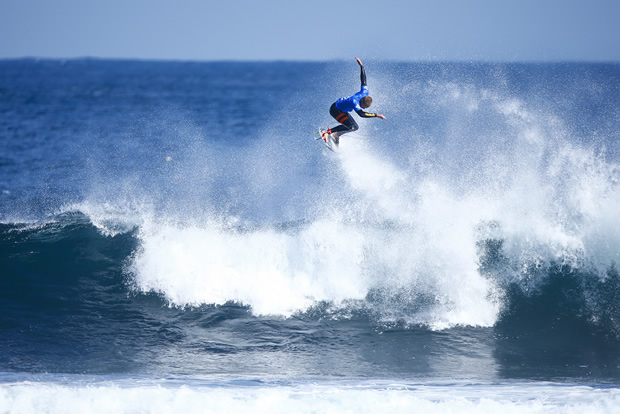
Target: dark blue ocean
174 239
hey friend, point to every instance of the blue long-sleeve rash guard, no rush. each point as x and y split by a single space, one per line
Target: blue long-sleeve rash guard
352 103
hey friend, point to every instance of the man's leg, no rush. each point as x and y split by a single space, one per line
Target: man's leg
348 124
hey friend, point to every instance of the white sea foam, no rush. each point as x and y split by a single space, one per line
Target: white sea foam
121 397
272 271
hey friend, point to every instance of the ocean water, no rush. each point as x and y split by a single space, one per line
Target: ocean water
174 239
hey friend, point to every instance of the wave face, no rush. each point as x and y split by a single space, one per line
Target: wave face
479 220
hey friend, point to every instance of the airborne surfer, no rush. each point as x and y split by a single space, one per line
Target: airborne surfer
341 108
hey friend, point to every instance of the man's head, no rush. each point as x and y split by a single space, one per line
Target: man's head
365 102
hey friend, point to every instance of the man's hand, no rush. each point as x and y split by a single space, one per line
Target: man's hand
359 62
380 116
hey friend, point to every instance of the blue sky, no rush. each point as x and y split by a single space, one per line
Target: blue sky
500 30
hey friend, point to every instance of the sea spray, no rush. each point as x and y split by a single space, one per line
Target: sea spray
402 242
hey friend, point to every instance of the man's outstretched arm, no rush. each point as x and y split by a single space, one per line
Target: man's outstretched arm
362 72
369 114
363 80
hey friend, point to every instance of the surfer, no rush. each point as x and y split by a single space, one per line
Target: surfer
341 108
